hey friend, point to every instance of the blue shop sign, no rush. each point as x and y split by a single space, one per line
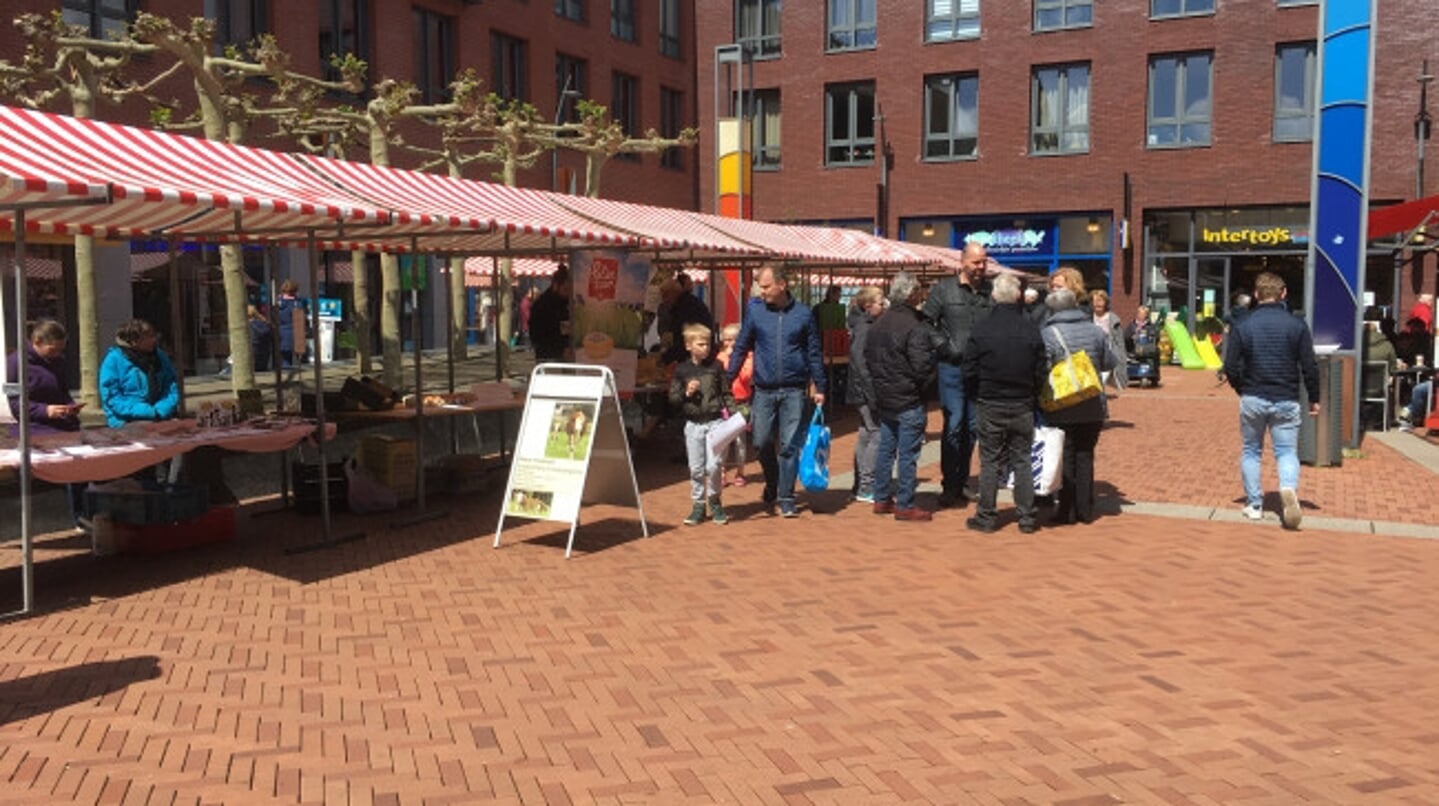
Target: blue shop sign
330 308
1004 238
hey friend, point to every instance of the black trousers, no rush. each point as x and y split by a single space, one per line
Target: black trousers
1076 497
1006 432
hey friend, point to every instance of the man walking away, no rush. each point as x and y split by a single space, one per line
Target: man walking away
1269 355
955 305
1004 368
899 356
782 334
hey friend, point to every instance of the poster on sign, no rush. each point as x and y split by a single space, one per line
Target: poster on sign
571 425
608 311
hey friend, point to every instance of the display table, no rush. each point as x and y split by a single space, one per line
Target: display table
104 454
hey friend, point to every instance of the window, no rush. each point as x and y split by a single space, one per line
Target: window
757 27
1294 92
571 74
237 22
764 130
1051 15
622 19
434 55
851 24
509 69
1180 8
951 116
625 107
672 115
344 28
104 19
670 28
849 124
571 9
945 20
1059 110
1180 100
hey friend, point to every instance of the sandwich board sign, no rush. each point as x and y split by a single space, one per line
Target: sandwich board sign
571 425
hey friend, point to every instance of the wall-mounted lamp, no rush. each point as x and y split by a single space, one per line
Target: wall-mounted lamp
1093 226
928 230
1420 236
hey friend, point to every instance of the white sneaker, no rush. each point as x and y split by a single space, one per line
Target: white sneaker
1291 514
1254 512
1405 427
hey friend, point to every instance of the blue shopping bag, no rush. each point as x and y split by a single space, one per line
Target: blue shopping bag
814 458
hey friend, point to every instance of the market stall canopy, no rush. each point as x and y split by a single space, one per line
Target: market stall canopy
479 271
678 228
1403 218
157 182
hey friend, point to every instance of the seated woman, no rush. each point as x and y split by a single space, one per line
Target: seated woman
1141 342
137 380
51 408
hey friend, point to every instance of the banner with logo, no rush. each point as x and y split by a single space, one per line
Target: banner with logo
607 315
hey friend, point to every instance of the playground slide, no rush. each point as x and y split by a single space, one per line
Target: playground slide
1208 354
1183 345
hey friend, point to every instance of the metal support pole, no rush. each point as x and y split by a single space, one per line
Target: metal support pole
27 546
417 335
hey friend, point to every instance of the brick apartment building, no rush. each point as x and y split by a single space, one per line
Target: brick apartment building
1048 123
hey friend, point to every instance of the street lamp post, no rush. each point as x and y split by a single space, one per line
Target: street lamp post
1421 129
566 92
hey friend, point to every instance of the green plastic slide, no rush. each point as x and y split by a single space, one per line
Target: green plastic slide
1207 353
1183 345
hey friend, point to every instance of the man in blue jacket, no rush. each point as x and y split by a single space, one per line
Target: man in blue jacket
1267 358
783 334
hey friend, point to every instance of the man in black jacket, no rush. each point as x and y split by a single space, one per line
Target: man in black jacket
898 353
550 319
955 305
684 309
1266 359
1004 370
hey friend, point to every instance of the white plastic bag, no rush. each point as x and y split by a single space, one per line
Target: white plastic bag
366 494
1046 457
724 432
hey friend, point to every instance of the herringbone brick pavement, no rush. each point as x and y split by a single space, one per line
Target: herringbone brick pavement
837 658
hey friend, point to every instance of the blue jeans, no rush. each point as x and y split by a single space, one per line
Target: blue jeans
1419 403
778 423
1281 420
902 433
960 428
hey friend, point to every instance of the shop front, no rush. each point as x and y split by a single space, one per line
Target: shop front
1197 261
1038 244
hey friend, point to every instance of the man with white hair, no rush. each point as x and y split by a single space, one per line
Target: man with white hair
899 357
1004 369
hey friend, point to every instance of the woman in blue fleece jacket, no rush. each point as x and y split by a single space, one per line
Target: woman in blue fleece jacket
137 380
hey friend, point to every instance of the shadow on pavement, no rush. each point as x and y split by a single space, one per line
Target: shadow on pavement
25 697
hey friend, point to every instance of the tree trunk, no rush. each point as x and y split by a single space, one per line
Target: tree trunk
593 166
364 328
390 320
88 315
242 359
459 306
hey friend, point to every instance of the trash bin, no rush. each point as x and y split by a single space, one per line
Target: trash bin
1321 439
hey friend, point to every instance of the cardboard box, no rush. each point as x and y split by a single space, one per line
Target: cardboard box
392 461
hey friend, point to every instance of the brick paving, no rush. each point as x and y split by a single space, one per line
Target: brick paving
837 658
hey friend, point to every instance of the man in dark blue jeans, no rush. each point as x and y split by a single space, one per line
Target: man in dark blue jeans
899 356
784 337
955 305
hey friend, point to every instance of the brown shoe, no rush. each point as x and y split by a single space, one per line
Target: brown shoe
915 514
883 507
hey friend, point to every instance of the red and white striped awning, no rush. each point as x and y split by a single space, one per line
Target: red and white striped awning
479 271
158 182
678 230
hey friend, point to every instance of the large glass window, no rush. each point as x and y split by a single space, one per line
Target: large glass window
849 123
1050 15
950 19
851 24
672 115
1294 92
1180 100
764 130
104 19
622 19
434 55
509 67
1059 120
344 28
670 28
571 9
625 106
951 116
572 74
237 22
757 27
1180 8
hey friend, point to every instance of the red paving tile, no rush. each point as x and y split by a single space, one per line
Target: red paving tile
837 658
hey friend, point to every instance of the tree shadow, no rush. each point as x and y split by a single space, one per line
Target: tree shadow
36 694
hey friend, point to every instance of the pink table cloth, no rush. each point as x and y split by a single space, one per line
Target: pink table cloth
65 459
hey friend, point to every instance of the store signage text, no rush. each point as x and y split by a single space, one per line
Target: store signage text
1009 240
1248 236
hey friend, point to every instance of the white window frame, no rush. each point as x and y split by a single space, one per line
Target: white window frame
951 20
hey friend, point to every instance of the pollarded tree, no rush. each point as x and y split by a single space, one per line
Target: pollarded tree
225 110
61 65
601 138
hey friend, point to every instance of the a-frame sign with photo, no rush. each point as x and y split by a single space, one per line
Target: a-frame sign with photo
571 426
